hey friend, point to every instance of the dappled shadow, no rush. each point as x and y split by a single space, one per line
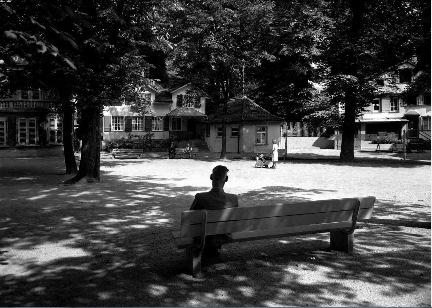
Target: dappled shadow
110 244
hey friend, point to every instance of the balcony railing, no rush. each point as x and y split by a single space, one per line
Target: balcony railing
24 104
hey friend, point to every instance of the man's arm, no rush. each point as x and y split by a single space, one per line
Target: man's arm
194 205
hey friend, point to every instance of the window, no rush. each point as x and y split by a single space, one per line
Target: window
376 105
55 130
380 82
157 124
426 123
24 94
137 124
176 123
261 135
420 100
402 102
117 124
234 132
3 132
26 133
394 106
405 75
219 132
35 94
180 100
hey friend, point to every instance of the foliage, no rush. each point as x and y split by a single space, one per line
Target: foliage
284 84
130 142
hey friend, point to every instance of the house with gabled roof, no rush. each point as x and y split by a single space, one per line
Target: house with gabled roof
249 128
176 113
391 113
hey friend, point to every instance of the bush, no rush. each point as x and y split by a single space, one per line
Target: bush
131 142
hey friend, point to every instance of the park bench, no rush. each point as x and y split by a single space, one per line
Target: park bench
337 216
127 153
182 153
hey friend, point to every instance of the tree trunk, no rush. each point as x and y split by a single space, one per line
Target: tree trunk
91 144
225 111
69 156
223 150
347 146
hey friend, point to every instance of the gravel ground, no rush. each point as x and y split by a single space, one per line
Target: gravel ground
109 244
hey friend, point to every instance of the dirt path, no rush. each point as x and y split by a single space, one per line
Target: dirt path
109 244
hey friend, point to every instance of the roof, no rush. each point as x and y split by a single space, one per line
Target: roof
412 113
244 110
381 117
381 120
185 112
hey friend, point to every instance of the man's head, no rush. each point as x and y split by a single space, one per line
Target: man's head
219 176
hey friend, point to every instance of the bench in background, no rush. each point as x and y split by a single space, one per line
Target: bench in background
127 153
336 216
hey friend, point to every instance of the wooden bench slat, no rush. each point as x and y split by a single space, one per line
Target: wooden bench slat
276 222
366 206
262 234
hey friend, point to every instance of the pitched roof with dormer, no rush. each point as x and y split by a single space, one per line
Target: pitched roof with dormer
243 109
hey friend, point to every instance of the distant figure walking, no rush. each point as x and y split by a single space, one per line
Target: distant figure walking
171 150
275 154
215 199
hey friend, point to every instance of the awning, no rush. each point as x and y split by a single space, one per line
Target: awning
412 113
186 112
382 120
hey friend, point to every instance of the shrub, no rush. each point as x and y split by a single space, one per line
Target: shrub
131 142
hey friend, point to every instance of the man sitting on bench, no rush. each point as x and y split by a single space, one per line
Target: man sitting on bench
215 199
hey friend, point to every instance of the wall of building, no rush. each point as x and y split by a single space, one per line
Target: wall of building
183 90
247 138
306 143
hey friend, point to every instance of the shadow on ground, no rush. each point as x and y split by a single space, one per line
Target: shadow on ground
110 244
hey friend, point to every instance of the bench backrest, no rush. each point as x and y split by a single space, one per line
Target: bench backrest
297 217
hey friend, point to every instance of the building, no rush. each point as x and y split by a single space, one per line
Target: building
29 120
177 113
391 112
249 128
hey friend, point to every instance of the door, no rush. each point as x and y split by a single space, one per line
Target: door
413 125
3 132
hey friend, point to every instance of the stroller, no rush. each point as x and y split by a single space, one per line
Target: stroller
261 162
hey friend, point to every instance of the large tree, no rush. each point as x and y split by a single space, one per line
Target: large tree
97 45
365 38
214 41
284 83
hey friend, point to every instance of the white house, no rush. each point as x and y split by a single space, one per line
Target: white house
390 113
174 113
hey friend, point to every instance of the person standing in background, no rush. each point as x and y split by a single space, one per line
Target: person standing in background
275 155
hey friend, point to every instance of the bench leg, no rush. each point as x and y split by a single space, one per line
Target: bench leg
342 241
194 259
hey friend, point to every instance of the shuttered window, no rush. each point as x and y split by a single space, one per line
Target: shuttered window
137 124
117 124
157 124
